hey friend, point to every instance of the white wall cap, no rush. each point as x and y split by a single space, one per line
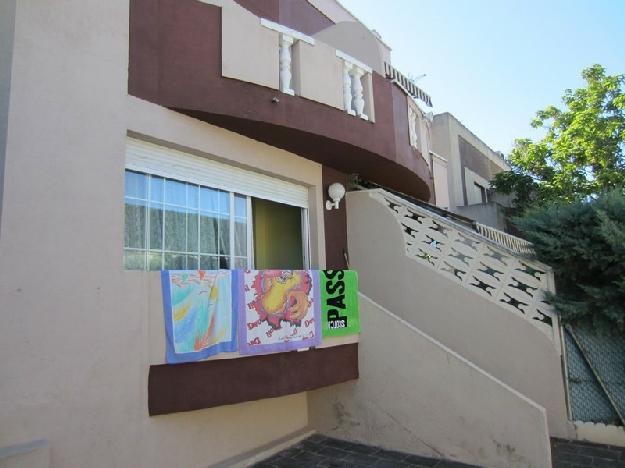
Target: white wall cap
439 157
348 58
288 31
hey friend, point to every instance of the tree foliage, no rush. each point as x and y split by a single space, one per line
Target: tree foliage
584 242
583 150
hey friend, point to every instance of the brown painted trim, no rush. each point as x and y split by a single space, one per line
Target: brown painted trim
175 61
206 384
335 223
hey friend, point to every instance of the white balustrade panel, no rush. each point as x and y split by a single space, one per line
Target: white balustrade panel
513 282
286 44
354 72
412 127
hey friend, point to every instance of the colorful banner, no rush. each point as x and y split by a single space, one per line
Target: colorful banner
339 302
279 310
200 320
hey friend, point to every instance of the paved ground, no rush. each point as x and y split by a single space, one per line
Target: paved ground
324 452
319 451
575 454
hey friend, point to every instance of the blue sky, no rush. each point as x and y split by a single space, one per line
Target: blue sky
494 63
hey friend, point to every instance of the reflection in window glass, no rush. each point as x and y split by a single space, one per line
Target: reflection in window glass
178 225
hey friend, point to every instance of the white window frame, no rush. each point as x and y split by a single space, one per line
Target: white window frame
156 160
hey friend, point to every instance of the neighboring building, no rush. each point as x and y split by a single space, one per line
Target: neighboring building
144 135
471 165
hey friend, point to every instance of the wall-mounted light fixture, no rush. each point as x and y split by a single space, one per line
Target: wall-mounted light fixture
336 192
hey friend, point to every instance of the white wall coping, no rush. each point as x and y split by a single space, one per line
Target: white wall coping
348 58
288 31
439 157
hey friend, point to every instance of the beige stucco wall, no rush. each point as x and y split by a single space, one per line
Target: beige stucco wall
75 335
249 51
505 345
318 73
439 171
417 396
445 132
356 40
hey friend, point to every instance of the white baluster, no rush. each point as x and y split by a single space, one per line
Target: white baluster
412 127
285 64
358 99
347 88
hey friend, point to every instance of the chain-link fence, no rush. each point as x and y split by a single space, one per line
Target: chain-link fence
596 375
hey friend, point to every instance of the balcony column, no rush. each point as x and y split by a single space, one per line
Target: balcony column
357 91
412 127
285 64
347 88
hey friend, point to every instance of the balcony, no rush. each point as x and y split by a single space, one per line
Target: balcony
228 67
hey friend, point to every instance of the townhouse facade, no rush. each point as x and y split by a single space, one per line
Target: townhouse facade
470 166
147 135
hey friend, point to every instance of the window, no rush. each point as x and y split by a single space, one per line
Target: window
481 192
177 225
184 211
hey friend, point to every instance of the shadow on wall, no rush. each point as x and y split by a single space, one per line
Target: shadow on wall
504 344
417 396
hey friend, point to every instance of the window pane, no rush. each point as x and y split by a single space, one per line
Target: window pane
134 231
224 235
240 206
175 229
155 261
192 262
192 234
193 196
136 185
208 262
156 227
208 199
208 233
156 189
175 262
240 237
134 259
224 202
173 224
175 192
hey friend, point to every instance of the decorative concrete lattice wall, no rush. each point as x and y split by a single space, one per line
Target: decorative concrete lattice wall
514 282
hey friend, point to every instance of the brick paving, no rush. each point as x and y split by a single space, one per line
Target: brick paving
325 452
577 454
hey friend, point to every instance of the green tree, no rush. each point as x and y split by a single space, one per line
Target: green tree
582 152
584 242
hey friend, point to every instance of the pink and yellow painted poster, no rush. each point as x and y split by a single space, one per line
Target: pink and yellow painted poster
279 310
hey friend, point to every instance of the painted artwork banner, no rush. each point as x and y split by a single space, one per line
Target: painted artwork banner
279 310
200 320
339 302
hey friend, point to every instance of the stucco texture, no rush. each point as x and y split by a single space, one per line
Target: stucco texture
506 346
75 334
417 396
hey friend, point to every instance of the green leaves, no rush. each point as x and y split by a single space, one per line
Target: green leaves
583 150
584 242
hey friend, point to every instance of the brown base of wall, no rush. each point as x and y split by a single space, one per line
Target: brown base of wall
197 385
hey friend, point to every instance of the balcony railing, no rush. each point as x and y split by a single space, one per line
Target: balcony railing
355 84
512 242
407 84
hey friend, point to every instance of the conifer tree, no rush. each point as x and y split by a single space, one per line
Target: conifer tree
584 242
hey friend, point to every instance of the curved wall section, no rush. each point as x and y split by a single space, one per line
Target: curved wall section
176 62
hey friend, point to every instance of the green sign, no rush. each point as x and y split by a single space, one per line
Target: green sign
339 302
